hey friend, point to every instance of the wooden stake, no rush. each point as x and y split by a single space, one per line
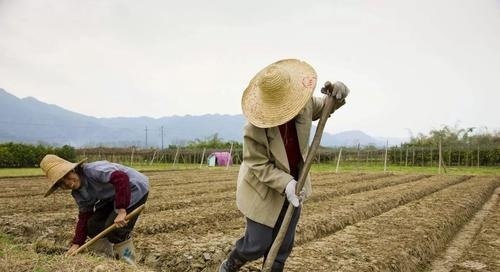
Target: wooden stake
202 157
338 161
385 157
273 252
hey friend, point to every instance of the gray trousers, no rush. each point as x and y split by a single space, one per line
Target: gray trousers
259 238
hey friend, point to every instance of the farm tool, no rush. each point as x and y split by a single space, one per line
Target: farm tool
329 104
121 247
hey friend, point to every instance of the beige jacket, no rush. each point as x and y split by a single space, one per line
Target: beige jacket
264 172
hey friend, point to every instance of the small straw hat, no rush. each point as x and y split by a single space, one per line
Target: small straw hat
55 168
278 92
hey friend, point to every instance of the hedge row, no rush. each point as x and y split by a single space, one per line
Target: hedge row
23 155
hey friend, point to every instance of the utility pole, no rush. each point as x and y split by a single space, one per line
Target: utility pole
146 130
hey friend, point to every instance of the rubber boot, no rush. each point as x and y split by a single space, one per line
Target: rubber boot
102 247
125 251
277 267
233 263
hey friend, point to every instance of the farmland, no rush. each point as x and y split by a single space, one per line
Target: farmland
352 222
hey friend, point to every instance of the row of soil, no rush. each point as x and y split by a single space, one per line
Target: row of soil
211 208
165 214
180 195
403 239
190 250
483 254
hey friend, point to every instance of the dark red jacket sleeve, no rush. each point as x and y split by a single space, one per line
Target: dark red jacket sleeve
121 182
81 228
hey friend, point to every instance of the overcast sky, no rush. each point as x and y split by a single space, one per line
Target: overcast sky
410 65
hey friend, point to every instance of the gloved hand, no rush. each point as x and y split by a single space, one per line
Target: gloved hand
340 92
302 196
290 193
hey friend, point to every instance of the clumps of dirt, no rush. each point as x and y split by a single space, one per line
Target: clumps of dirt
48 247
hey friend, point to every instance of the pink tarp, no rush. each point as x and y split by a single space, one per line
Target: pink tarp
221 158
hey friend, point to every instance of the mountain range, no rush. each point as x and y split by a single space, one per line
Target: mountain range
29 120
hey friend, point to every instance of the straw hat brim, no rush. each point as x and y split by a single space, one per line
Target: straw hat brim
55 179
265 114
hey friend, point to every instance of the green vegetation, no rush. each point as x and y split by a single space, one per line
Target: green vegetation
24 155
213 142
19 172
379 167
322 167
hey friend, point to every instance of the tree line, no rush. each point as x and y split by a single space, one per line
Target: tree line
14 155
459 147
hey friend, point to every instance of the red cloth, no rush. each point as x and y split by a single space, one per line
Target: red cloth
121 182
291 141
81 228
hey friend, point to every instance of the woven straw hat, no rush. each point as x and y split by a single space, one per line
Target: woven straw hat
55 168
278 92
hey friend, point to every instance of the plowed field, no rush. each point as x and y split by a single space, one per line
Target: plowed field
352 222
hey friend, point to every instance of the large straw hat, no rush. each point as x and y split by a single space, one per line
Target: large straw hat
278 92
55 168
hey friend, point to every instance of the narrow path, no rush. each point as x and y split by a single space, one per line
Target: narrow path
456 248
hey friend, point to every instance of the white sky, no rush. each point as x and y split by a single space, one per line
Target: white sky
409 64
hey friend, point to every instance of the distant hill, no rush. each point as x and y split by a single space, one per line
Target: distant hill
32 121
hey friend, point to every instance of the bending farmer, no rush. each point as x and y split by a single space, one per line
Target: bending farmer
105 193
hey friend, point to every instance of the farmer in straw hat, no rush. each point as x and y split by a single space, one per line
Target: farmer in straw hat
104 192
280 108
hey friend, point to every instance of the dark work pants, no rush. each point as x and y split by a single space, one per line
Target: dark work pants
104 217
259 238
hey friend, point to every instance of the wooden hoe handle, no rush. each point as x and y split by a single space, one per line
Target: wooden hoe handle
327 110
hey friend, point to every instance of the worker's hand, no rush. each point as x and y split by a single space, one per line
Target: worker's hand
120 218
72 249
340 92
302 196
290 193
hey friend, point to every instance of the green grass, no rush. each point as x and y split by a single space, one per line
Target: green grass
17 172
364 167
323 167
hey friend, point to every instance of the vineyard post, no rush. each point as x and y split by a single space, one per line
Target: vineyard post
400 154
406 158
132 156
385 157
202 156
439 162
431 155
478 156
357 158
230 156
338 161
413 157
449 156
175 158
422 150
152 160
